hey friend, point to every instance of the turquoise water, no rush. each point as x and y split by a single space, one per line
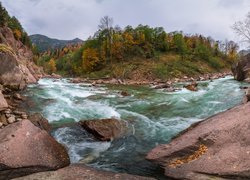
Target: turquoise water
153 117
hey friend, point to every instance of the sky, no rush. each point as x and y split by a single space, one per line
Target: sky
68 19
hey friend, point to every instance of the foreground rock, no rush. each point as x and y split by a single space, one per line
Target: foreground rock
216 147
81 172
241 70
26 149
105 129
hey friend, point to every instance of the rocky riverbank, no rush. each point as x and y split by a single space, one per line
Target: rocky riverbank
157 83
217 147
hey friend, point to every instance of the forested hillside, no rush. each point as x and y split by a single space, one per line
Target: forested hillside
142 51
44 43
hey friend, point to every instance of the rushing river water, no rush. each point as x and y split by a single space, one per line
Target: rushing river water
153 117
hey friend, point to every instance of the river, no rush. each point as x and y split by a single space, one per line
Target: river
153 117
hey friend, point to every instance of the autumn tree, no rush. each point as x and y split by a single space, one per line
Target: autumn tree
51 66
91 61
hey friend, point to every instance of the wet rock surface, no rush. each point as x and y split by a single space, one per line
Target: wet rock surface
218 147
105 129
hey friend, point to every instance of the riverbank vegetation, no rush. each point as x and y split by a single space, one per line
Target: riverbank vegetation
142 51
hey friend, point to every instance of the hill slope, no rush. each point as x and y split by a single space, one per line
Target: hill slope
45 43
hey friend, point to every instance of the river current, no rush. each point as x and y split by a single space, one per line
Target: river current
153 117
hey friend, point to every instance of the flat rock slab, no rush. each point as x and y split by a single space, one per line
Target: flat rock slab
26 149
105 129
81 172
218 147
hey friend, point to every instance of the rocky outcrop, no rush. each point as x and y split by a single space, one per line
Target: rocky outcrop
26 149
105 129
16 66
216 147
241 70
81 172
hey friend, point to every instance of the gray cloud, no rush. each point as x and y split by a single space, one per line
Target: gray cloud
67 19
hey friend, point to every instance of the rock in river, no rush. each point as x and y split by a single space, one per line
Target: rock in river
192 86
105 129
26 149
218 147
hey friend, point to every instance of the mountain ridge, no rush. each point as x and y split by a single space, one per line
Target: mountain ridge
45 43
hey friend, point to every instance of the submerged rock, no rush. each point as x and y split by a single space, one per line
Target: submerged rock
216 147
192 86
26 149
82 172
105 129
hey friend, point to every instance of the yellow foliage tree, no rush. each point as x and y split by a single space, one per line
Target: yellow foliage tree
91 60
17 34
52 66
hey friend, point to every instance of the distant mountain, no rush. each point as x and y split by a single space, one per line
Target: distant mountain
45 43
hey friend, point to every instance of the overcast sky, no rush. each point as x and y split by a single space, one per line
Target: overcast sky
67 19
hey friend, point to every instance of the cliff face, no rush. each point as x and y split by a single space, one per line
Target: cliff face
16 66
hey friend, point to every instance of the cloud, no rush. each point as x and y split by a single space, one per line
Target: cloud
66 19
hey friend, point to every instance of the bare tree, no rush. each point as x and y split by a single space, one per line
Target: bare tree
242 29
106 29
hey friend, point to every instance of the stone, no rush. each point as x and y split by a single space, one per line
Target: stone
17 96
105 129
81 172
11 119
192 86
26 149
217 147
1 124
124 93
3 102
39 121
3 119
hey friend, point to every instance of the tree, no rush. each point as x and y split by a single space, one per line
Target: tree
3 15
106 29
52 66
242 29
91 61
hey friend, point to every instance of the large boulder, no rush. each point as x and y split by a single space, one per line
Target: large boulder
26 149
241 70
218 147
3 102
105 129
81 172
